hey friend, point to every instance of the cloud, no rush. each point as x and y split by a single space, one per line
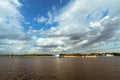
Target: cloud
41 19
49 43
88 26
48 20
104 31
10 20
80 28
12 33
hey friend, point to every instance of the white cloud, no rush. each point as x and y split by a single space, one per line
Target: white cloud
50 18
49 45
49 42
11 19
41 19
83 26
86 26
12 36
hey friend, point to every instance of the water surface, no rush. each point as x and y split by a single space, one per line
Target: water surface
48 68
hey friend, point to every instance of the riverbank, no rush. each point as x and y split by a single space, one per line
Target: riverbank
64 55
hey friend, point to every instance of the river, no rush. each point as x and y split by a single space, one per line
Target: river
49 68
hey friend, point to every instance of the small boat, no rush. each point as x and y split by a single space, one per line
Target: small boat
57 55
109 55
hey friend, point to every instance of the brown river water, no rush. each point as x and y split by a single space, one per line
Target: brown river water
49 68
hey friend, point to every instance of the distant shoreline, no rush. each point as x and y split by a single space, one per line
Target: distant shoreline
63 55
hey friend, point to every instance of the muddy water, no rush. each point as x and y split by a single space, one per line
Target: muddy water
48 68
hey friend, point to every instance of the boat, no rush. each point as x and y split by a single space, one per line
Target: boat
109 55
57 55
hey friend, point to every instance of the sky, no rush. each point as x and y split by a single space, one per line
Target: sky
59 26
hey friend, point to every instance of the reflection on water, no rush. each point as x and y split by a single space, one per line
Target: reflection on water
48 68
